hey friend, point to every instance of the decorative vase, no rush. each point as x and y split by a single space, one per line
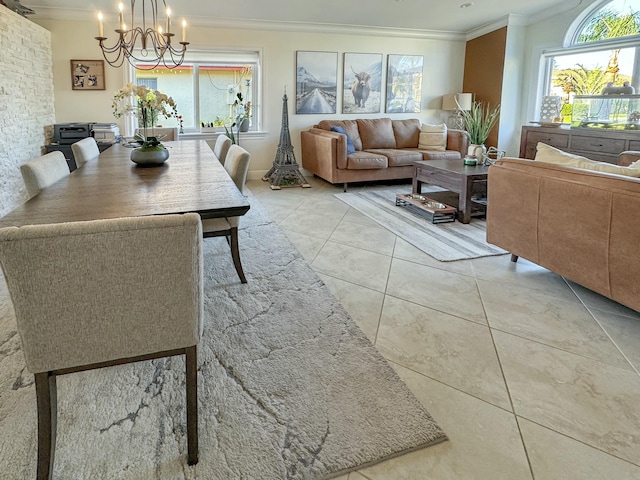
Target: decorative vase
244 125
477 151
149 158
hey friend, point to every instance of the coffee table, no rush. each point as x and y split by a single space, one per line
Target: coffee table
454 176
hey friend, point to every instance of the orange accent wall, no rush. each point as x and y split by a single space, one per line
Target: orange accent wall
483 71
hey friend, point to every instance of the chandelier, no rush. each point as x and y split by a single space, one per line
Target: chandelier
147 43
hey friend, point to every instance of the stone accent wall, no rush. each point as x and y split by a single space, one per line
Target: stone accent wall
26 101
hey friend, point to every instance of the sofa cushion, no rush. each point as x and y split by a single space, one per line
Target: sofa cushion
548 154
366 161
350 126
398 157
438 155
350 148
433 137
407 132
376 133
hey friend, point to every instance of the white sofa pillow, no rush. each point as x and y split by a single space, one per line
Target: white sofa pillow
433 137
548 154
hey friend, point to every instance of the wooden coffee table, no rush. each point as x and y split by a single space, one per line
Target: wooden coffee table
454 176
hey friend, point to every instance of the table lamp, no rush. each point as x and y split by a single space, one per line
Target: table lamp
454 103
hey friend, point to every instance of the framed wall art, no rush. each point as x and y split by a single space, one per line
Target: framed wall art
87 75
404 83
316 82
362 81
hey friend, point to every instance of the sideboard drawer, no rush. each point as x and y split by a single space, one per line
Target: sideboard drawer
554 139
599 145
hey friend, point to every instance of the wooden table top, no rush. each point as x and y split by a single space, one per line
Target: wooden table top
191 180
454 166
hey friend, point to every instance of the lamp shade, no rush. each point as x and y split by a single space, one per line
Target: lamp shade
464 101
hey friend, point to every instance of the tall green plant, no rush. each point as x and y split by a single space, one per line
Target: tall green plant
479 121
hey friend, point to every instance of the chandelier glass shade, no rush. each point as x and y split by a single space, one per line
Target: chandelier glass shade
146 45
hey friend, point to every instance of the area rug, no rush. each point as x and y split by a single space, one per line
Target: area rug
289 387
443 241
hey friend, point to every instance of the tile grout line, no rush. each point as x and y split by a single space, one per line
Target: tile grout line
589 309
504 378
386 286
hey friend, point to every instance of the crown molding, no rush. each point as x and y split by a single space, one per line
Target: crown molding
55 13
507 20
523 20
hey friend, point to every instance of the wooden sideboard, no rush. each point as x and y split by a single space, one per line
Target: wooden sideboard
596 144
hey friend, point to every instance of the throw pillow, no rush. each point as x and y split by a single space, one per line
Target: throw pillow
407 132
350 148
433 137
635 165
548 154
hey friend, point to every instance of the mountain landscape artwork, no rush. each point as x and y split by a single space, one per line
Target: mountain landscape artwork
316 82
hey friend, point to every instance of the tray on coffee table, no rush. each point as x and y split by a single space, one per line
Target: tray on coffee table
428 208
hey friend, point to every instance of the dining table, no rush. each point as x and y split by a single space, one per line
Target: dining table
112 186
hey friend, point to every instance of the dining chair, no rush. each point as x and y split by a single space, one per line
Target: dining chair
99 293
43 172
221 148
85 150
237 165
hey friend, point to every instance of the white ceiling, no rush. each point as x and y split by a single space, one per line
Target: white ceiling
412 15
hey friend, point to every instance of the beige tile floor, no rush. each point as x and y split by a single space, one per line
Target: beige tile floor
531 376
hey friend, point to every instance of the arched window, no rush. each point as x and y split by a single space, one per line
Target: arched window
602 52
614 20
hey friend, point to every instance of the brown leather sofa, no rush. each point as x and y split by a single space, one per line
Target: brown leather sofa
385 149
578 223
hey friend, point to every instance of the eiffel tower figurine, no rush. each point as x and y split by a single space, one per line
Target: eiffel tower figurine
285 171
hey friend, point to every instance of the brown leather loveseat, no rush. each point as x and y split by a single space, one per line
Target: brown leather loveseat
385 149
578 223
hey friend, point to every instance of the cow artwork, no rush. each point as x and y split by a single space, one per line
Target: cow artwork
361 88
362 82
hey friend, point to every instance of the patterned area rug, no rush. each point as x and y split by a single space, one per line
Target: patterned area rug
289 386
443 241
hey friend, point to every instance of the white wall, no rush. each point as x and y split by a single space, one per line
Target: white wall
511 98
26 101
443 67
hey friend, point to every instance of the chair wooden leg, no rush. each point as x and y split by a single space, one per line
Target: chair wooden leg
191 361
47 405
235 253
514 258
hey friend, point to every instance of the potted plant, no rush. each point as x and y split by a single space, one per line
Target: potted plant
239 120
243 112
148 106
478 122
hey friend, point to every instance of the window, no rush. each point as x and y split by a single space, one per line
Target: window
206 87
603 52
151 82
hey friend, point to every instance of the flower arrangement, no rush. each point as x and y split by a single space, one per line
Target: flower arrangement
243 110
149 105
242 113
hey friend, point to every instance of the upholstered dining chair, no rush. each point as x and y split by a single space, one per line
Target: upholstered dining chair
43 172
237 165
85 150
221 148
100 293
